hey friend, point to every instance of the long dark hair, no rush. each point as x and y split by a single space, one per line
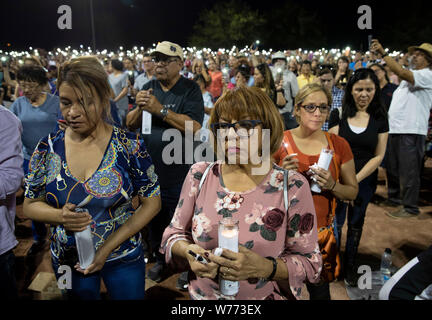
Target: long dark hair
269 84
245 71
379 65
376 108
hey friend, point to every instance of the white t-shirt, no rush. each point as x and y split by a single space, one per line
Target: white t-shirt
410 107
204 133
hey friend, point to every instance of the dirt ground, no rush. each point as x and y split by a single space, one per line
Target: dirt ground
406 237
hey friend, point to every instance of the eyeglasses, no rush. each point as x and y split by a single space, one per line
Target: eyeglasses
242 128
163 61
311 108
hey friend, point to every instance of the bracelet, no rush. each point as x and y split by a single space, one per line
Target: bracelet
333 186
270 277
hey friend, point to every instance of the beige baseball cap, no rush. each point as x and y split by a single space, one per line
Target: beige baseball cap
427 47
279 55
169 48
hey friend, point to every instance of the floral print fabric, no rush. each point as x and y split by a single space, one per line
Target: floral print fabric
125 171
265 227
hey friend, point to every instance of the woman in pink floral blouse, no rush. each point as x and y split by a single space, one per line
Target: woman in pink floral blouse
278 245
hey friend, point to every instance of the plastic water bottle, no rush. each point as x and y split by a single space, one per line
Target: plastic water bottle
386 263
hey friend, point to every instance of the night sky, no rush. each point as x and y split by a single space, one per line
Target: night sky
128 23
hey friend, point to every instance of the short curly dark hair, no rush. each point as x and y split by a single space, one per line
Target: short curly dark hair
117 64
32 73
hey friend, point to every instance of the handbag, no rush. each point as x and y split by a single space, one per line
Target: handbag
326 236
331 267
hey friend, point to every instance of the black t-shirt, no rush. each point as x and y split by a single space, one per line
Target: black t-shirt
334 118
185 98
387 94
363 145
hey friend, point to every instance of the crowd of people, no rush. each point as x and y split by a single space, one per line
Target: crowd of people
84 135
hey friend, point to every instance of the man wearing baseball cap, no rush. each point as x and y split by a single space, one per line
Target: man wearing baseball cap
408 120
286 83
172 101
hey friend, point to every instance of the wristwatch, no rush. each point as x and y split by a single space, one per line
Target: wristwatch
164 112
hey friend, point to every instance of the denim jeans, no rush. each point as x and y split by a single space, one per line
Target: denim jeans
39 229
170 198
8 288
124 279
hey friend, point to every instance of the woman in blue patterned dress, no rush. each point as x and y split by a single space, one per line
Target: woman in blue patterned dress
99 168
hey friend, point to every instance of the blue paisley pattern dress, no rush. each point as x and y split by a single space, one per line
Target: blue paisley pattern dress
125 171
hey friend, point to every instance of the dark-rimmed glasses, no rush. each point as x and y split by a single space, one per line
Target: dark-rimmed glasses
163 61
311 108
243 128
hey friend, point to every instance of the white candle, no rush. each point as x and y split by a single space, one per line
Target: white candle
324 161
228 239
84 243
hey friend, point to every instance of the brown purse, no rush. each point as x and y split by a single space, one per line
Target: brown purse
326 237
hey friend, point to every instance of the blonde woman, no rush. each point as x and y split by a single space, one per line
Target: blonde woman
300 150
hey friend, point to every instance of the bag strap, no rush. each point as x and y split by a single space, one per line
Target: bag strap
204 176
286 187
330 142
333 203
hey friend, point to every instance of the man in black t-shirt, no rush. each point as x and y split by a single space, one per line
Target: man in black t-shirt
173 101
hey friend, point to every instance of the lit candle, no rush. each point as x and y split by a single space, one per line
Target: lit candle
228 239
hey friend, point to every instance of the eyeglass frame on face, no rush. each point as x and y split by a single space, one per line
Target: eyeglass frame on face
322 107
164 62
228 126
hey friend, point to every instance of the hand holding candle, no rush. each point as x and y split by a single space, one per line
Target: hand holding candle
322 177
228 239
